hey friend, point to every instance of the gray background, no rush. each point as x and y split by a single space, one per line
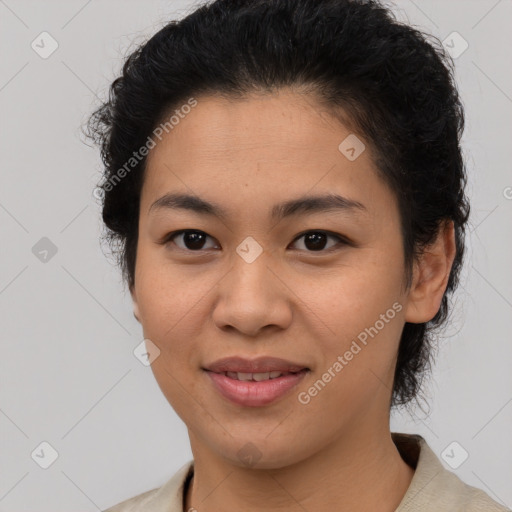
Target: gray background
68 373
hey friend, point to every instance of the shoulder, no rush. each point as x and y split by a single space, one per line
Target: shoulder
433 487
167 498
454 494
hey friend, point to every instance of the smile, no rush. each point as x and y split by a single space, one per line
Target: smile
255 389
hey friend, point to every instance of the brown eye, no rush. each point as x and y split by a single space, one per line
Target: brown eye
192 240
315 241
195 240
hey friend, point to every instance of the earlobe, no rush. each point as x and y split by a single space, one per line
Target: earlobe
430 277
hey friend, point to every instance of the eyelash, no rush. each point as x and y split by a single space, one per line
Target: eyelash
341 240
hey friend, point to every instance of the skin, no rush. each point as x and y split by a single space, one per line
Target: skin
292 302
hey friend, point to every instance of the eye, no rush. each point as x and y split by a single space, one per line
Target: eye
194 240
315 241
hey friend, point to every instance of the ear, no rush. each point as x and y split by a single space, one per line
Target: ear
136 312
430 276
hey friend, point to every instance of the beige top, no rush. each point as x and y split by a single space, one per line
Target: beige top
432 489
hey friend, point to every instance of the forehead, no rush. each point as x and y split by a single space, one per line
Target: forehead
264 146
269 124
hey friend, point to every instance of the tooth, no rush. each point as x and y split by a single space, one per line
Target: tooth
260 376
274 375
232 375
244 376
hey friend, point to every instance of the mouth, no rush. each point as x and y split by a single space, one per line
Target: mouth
257 377
254 382
255 389
241 368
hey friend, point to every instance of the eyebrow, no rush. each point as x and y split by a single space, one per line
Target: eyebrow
302 205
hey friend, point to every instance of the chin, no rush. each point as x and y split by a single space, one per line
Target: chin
255 452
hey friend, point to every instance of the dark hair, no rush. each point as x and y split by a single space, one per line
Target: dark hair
390 83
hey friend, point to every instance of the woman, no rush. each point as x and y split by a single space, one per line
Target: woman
285 184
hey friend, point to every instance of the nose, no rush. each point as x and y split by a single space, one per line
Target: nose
252 297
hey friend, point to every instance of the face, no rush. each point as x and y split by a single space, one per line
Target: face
317 287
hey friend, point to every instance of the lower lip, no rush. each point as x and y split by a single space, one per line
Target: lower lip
252 393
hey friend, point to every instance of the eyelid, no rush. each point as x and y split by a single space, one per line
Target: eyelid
342 240
167 239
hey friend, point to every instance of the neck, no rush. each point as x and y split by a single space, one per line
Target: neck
338 477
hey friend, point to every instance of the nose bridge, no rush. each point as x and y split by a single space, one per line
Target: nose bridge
250 276
251 295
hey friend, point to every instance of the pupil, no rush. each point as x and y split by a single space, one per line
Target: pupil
317 239
194 239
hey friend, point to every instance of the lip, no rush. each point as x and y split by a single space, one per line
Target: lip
253 393
258 365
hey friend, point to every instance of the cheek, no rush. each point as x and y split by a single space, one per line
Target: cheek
358 314
164 293
171 308
175 305
348 299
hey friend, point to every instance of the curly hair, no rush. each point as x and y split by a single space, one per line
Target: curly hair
386 80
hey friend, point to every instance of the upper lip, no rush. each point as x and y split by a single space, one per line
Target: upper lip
258 365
